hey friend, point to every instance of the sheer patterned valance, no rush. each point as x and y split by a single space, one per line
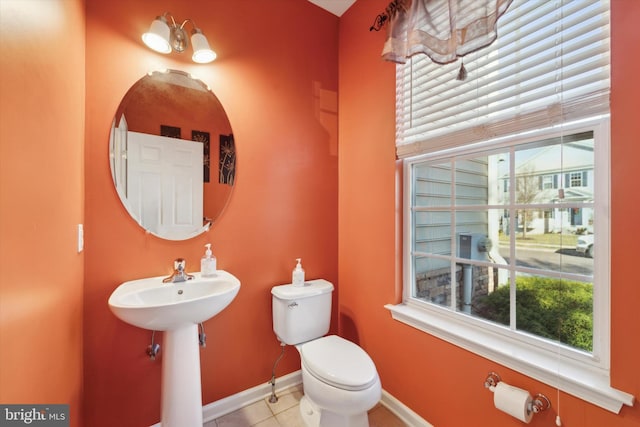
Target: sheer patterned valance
441 29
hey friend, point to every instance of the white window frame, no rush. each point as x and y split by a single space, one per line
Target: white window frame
582 374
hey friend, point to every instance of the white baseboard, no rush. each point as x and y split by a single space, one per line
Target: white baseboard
221 407
236 401
402 411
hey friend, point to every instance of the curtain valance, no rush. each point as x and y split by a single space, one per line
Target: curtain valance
442 29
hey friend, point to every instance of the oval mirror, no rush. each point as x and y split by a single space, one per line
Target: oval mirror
172 155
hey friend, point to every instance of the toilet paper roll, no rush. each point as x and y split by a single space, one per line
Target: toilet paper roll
513 401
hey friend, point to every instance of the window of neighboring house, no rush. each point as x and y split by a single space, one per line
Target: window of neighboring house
575 179
491 258
547 182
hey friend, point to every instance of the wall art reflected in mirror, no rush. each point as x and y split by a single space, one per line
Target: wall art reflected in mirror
172 155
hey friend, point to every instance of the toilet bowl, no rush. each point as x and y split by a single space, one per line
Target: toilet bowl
339 378
340 383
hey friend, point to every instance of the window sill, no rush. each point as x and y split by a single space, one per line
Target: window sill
578 379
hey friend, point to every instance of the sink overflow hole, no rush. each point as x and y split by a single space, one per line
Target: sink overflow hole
180 292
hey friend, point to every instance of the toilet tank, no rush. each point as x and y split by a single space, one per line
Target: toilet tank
301 313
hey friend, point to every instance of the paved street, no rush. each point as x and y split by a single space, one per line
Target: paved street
567 259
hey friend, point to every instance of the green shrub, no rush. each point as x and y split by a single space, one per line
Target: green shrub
551 308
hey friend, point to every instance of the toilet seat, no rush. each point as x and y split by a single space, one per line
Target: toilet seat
338 362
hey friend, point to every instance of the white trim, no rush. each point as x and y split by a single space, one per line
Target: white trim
591 385
402 411
219 408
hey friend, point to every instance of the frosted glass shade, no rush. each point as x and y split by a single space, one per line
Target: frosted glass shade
202 53
157 38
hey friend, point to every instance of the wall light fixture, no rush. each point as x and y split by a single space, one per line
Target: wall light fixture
164 37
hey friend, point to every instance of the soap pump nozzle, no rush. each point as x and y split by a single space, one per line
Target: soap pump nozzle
208 252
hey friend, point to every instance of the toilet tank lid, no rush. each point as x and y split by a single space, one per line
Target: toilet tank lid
310 288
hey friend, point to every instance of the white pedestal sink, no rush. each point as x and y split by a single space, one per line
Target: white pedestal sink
176 309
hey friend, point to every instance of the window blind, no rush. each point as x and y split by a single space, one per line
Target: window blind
549 64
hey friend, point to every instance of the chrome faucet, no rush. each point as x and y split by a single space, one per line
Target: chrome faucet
179 275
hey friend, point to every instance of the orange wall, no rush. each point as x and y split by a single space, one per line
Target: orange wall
285 205
442 382
41 202
271 56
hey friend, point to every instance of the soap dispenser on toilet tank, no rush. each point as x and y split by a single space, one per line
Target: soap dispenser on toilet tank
297 277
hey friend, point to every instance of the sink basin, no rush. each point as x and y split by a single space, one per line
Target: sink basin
150 304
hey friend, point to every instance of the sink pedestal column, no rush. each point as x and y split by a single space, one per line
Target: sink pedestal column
181 388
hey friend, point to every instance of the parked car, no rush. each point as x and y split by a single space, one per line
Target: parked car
585 245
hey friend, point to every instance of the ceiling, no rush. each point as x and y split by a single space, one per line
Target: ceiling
337 7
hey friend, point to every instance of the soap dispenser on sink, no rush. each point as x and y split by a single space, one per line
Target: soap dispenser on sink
208 265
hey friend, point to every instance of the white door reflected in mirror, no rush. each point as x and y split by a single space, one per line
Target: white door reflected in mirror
164 184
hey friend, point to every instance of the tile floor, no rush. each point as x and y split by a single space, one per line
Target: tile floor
285 413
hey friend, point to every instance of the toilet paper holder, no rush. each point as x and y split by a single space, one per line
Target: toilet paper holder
539 402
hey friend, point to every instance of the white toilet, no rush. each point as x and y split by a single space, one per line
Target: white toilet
339 378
